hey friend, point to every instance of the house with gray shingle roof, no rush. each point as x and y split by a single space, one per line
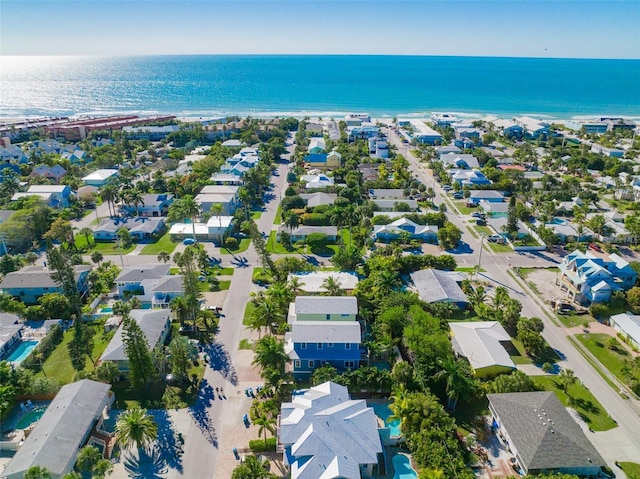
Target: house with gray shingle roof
140 228
542 435
325 434
31 282
154 323
62 430
435 286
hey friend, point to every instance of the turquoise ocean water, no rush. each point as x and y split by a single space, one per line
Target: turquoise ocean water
317 85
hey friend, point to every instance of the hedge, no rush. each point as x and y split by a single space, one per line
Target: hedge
259 445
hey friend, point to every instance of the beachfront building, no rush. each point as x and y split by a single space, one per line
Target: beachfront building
532 128
151 133
425 134
542 435
323 330
483 344
73 419
31 282
590 127
155 324
594 278
509 128
325 434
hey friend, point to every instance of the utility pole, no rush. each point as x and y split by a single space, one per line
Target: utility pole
479 256
118 240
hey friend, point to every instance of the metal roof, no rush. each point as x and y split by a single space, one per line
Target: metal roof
479 342
338 332
151 322
326 305
36 277
434 286
135 274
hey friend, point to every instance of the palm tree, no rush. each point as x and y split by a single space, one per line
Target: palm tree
477 296
136 198
97 257
37 472
295 285
269 352
87 233
457 379
180 307
191 210
567 378
109 193
87 458
291 220
265 423
164 256
217 209
332 286
135 427
253 467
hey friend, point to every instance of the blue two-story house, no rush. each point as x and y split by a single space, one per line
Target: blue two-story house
323 330
131 279
32 282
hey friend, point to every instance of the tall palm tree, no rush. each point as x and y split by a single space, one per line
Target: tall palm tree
135 197
37 472
265 424
135 427
332 286
253 467
180 307
216 210
109 193
458 381
164 256
295 285
191 210
87 458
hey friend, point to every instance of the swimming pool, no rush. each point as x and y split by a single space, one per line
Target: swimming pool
106 310
21 351
383 412
31 417
558 221
402 467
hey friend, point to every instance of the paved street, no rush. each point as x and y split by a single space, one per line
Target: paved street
625 412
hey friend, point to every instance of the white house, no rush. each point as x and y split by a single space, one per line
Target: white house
628 325
100 177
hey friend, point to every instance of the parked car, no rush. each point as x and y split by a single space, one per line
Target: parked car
458 196
495 239
477 215
188 241
447 187
595 247
481 222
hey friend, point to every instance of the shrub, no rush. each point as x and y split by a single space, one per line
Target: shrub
259 445
292 202
317 240
44 348
598 310
231 243
314 219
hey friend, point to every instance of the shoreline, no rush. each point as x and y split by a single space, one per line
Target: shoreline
195 116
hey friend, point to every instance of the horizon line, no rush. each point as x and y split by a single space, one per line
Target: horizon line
138 55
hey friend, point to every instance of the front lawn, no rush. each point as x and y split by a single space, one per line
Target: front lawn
243 246
523 272
248 311
631 469
581 399
163 244
255 215
106 248
222 271
58 364
573 320
278 219
465 210
612 360
275 247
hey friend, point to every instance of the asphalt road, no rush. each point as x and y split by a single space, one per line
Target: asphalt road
626 412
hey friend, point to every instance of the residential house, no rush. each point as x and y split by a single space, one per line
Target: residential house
224 195
130 280
100 177
53 173
446 149
316 160
387 194
483 344
76 156
592 278
567 231
158 292
362 132
31 282
316 181
356 119
610 152
314 129
370 171
56 196
13 172
459 161
215 230
395 230
509 128
436 286
494 209
13 153
316 146
10 333
142 229
154 323
153 204
590 127
300 233
151 133
325 434
444 119
73 419
468 177
378 147
396 205
490 196
312 282
324 330
628 326
542 435
226 179
318 199
499 225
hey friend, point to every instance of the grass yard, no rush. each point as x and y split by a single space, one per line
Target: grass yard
466 413
275 247
223 285
631 469
612 360
104 248
548 355
500 248
58 364
242 247
256 215
525 271
222 271
583 401
468 269
465 210
472 232
573 320
163 244
248 311
260 275
245 344
278 219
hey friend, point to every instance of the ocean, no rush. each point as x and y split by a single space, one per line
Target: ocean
317 85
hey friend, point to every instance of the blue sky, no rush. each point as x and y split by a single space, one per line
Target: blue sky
580 29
